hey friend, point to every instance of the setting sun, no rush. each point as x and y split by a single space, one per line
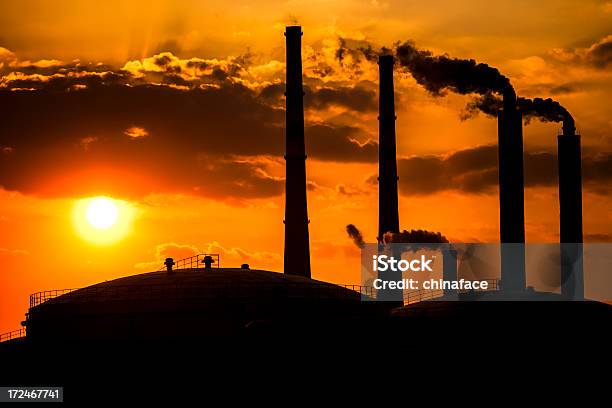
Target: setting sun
102 213
102 220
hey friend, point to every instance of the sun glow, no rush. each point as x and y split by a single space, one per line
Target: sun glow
102 213
102 220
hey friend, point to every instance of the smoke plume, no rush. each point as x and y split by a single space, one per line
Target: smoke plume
546 110
414 236
441 73
489 104
355 235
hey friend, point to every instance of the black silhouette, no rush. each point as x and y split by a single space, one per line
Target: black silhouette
208 261
169 264
511 194
297 245
388 212
570 212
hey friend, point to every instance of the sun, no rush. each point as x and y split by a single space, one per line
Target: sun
102 213
102 220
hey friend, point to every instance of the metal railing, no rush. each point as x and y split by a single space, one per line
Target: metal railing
176 291
41 297
421 295
15 334
193 262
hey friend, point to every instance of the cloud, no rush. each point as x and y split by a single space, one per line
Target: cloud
357 98
240 255
229 257
13 252
598 55
174 250
592 238
168 250
474 171
65 128
136 132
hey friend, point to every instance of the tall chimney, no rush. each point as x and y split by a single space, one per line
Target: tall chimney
511 194
570 209
297 245
388 213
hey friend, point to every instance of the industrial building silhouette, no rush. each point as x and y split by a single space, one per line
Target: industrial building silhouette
297 244
193 305
388 205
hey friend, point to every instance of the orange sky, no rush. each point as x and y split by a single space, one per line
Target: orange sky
175 108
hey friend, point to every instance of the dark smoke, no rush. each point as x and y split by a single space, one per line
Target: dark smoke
441 73
370 53
546 110
355 235
489 104
414 236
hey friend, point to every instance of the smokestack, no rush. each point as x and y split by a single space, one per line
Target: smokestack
511 194
570 209
297 245
388 212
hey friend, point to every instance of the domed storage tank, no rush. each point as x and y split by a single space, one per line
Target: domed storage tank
187 303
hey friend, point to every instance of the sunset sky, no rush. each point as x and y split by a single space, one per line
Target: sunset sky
175 109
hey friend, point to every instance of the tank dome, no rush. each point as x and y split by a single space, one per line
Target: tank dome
194 302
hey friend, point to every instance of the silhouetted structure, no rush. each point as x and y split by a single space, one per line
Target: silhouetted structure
570 209
187 304
511 194
388 212
169 264
208 261
297 245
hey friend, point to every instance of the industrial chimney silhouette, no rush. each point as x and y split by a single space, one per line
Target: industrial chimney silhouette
570 211
511 194
388 213
297 245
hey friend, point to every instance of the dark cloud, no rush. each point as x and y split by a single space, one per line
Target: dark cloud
354 98
475 171
598 55
594 238
357 98
335 143
67 134
563 88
